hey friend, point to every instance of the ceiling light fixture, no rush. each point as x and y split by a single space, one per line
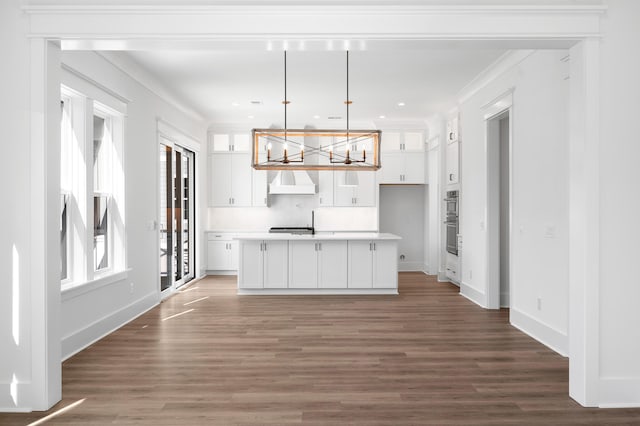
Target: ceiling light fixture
344 150
401 104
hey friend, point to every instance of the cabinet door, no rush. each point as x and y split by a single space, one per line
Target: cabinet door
259 187
392 167
218 255
332 264
390 141
240 180
220 180
414 167
325 188
360 264
343 196
385 264
250 271
413 141
275 264
241 142
452 163
220 142
233 255
303 264
365 193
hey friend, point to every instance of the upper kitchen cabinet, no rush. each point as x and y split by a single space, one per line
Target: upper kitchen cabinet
230 180
356 190
452 129
403 158
452 152
411 141
224 142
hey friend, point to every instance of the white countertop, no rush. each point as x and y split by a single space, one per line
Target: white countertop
317 236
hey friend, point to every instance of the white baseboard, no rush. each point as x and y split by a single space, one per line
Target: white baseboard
79 340
317 291
233 272
474 295
617 392
410 266
543 333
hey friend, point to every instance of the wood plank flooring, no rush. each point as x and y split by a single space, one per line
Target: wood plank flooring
425 357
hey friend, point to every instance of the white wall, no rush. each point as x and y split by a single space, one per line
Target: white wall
402 212
540 189
87 316
619 205
14 215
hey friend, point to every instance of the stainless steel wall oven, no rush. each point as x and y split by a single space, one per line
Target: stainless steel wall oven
451 221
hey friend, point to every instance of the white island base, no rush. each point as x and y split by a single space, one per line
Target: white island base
324 263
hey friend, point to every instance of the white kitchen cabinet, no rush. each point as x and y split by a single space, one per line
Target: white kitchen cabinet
317 264
325 188
225 142
303 264
259 187
403 168
222 252
230 180
263 264
361 195
373 264
452 129
410 141
452 163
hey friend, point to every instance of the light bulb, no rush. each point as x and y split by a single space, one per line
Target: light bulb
269 145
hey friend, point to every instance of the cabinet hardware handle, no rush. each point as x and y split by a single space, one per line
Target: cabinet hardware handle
265 246
450 176
374 246
320 246
370 246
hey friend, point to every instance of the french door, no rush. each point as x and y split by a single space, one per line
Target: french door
177 209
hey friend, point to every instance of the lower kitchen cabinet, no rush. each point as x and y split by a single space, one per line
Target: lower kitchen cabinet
373 264
263 264
317 264
222 252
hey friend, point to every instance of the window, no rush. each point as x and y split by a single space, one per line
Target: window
92 189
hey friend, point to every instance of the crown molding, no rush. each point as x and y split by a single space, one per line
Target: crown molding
143 77
505 62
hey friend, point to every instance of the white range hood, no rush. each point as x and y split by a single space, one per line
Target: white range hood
292 182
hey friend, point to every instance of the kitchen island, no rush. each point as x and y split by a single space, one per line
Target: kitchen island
322 263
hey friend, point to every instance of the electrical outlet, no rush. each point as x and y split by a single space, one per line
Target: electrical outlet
402 257
131 288
539 303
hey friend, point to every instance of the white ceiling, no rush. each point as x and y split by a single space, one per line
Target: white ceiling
220 85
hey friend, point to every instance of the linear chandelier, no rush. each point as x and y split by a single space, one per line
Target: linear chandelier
312 149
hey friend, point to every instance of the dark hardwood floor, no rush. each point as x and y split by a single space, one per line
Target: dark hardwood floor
427 356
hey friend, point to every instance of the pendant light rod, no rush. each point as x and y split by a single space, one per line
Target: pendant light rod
348 101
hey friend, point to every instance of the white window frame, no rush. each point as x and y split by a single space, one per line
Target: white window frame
81 273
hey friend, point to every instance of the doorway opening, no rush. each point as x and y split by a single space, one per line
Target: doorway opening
177 209
499 147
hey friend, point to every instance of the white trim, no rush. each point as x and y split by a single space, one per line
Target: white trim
131 68
177 135
219 272
77 289
85 337
547 335
504 63
619 392
410 266
476 296
89 88
316 291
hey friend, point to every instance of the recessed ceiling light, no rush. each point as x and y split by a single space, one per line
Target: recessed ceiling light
316 116
256 102
382 116
250 116
235 104
400 104
334 117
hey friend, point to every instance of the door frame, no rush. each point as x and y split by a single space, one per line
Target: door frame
493 111
86 27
